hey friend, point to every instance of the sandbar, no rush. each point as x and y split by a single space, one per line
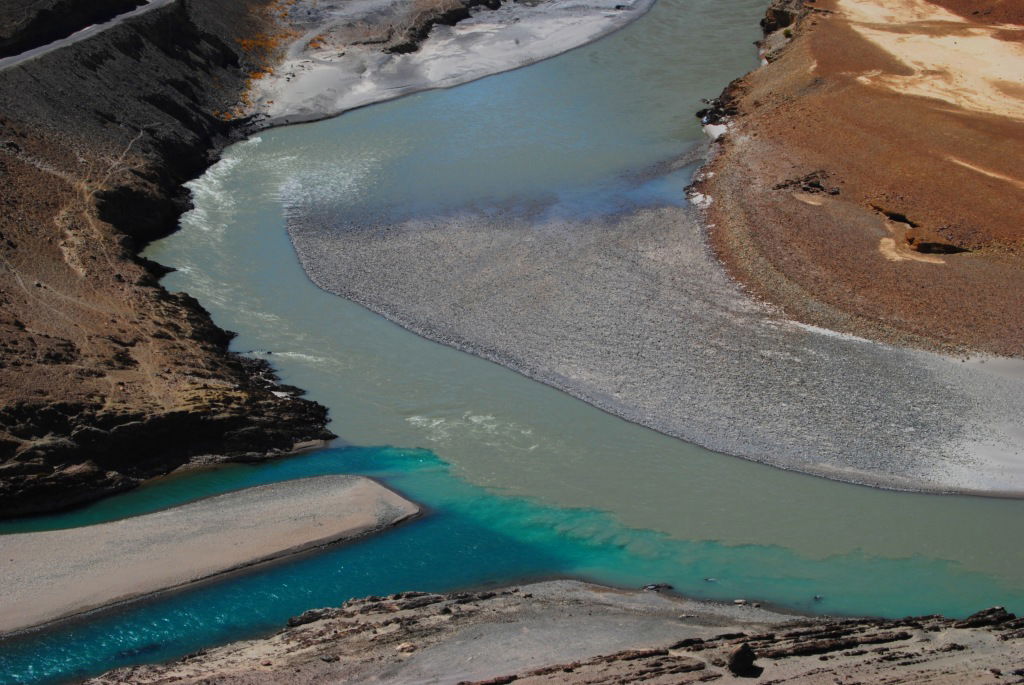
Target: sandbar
56 574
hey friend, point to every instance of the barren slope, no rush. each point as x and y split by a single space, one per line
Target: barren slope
872 178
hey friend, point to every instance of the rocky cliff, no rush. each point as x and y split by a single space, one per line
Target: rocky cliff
105 377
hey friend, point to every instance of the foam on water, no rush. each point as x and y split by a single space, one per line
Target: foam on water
213 204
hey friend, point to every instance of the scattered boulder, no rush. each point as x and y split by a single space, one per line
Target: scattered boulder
928 242
741 662
986 617
310 616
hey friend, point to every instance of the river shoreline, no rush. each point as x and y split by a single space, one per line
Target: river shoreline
348 57
108 379
573 632
327 661
167 372
723 370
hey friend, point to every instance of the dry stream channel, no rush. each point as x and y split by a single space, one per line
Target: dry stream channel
521 480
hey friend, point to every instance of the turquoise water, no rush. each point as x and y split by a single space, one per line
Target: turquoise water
521 481
470 538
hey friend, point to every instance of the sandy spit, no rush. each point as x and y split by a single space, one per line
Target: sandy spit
56 574
651 329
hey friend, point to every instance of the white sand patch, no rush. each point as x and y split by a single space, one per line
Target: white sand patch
889 250
715 131
808 199
309 86
829 333
700 200
953 60
1017 183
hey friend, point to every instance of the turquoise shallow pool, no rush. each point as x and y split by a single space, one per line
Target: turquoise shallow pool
470 537
521 481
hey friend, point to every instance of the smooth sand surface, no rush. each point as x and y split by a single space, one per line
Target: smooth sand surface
948 58
55 574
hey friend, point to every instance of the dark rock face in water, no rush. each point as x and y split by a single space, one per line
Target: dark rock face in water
782 13
106 378
443 13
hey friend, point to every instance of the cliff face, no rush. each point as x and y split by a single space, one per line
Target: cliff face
105 377
26 24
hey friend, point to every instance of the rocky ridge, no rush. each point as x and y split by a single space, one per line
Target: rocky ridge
27 24
500 636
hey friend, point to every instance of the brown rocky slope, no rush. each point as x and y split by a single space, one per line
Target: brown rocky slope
105 377
871 178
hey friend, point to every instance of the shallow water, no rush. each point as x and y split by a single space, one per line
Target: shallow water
522 480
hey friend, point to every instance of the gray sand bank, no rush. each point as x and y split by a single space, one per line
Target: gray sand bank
633 314
55 574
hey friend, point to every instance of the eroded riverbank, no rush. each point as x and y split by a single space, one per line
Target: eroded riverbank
912 234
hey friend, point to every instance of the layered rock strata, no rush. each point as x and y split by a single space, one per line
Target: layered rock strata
27 24
569 632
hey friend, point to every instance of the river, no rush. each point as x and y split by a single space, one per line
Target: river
521 481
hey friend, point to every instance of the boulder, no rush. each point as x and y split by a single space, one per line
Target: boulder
741 662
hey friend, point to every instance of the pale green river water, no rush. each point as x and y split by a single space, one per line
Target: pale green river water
524 480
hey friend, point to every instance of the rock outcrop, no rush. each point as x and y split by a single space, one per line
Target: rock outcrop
480 637
105 377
